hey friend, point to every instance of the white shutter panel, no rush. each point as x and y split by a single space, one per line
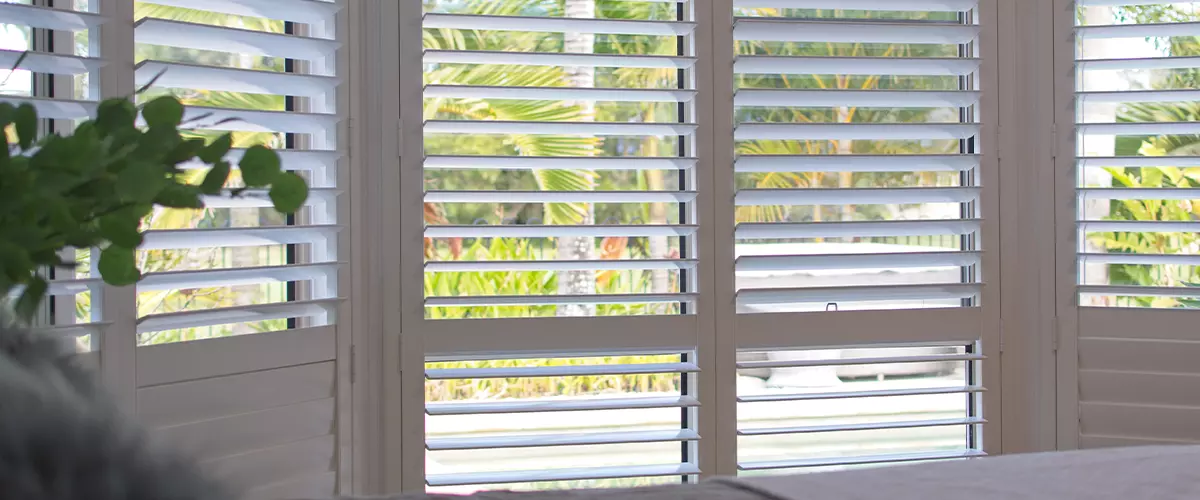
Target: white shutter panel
57 75
1135 239
860 172
242 355
560 228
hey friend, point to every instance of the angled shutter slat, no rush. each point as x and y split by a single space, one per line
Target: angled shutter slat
941 66
852 229
572 439
861 460
48 18
542 300
873 426
822 295
561 265
856 261
43 62
552 405
811 396
815 196
847 131
301 11
1150 63
1137 30
234 277
207 37
545 475
555 128
557 59
559 371
855 163
200 77
238 314
559 196
549 231
200 238
56 109
866 98
558 93
905 5
793 30
558 24
557 163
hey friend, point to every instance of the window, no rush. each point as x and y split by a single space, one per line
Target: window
859 180
1135 234
559 191
230 346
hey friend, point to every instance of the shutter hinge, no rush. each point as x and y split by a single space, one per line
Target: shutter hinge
353 363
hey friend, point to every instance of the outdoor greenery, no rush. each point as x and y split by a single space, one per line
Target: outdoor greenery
1165 176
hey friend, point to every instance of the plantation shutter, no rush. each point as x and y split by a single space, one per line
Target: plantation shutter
560 224
862 170
1128 320
57 73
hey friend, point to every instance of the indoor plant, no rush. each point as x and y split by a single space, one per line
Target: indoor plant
93 187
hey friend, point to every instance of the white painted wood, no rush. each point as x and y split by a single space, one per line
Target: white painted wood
561 474
223 437
556 59
259 468
321 486
205 399
860 460
301 11
1140 421
557 24
238 41
1129 323
1138 355
528 335
1173 389
177 362
842 31
1089 441
850 328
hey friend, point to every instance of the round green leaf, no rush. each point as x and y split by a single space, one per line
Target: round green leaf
260 166
117 266
165 111
289 193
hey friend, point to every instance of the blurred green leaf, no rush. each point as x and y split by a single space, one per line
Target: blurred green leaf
25 121
165 111
118 266
215 179
289 193
260 166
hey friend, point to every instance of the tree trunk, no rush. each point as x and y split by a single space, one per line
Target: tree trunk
581 248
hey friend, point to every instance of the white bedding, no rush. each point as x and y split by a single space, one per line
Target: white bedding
1142 473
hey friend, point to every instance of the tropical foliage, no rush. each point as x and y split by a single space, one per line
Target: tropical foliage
1165 176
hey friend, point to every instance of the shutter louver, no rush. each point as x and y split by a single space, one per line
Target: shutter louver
630 436
239 350
858 223
55 75
560 178
1136 239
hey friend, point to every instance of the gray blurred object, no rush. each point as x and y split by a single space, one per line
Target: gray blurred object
62 438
